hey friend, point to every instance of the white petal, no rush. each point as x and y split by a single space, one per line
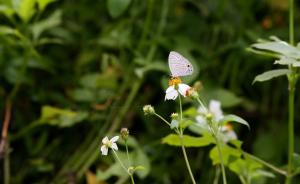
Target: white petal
171 93
202 110
105 140
182 88
104 150
114 139
114 146
215 109
201 121
231 134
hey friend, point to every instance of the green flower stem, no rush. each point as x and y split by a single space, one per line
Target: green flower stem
163 119
187 161
182 144
274 168
292 82
127 153
123 166
221 159
201 103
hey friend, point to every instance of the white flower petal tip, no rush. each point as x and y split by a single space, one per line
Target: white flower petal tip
114 146
182 88
105 140
114 139
171 93
104 150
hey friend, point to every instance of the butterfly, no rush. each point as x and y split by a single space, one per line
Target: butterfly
179 65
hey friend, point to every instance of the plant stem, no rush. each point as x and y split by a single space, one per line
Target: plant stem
163 119
186 159
126 146
291 21
123 166
274 168
182 144
221 159
292 82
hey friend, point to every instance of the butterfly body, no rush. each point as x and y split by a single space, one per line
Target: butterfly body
179 65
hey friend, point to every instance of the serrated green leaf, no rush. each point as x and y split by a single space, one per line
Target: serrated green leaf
234 118
188 141
226 153
117 7
270 75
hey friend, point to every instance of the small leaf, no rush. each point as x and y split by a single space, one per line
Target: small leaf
117 7
271 74
227 152
26 9
42 4
234 118
52 21
61 117
188 141
279 47
185 123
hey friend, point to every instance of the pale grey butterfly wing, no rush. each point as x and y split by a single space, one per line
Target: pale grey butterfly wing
179 66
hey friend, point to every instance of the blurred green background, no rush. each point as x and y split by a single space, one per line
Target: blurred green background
75 71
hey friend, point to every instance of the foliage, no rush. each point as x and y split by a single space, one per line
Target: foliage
88 67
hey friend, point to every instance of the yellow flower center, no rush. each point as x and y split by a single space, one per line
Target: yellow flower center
228 127
174 81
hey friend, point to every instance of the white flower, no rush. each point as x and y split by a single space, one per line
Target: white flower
228 133
176 87
106 143
172 93
214 110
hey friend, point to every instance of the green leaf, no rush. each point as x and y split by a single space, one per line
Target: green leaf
5 30
279 47
25 9
117 7
141 160
234 118
188 141
7 11
244 167
61 117
52 21
185 123
227 152
42 4
271 74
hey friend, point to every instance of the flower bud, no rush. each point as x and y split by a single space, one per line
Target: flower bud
148 110
192 93
174 115
124 133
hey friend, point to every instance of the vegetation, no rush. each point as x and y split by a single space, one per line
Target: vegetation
74 72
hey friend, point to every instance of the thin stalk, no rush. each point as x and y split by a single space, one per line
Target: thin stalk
120 162
127 153
123 166
182 145
221 159
6 163
291 128
186 160
217 176
163 119
274 168
292 82
291 21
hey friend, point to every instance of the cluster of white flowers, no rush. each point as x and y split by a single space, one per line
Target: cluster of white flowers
215 112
